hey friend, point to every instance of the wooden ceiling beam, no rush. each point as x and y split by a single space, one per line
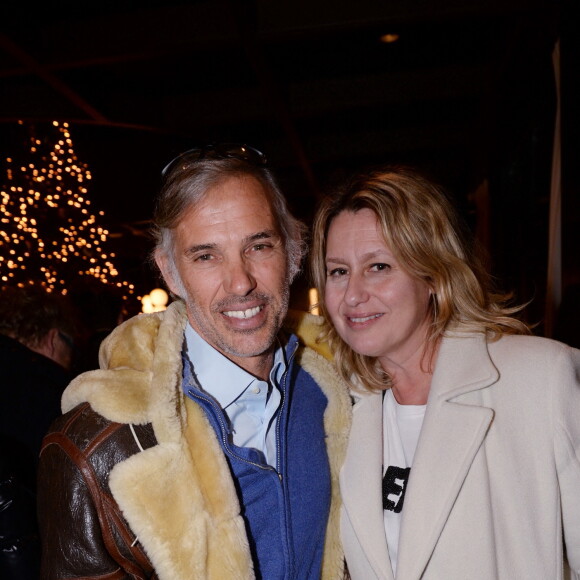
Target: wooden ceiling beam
50 79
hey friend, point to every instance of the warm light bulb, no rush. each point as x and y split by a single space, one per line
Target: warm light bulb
313 301
389 38
159 297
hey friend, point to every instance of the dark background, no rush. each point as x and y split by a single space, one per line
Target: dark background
467 94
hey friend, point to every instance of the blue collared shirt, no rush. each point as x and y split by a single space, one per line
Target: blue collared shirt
250 404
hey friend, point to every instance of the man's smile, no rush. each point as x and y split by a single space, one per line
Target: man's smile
248 313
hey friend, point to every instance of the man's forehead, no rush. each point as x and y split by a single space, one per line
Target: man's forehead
235 209
244 191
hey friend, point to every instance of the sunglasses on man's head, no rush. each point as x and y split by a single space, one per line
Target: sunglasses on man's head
239 151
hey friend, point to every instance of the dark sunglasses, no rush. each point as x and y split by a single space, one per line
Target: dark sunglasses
239 151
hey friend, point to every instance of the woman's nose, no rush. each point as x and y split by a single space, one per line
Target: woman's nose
355 291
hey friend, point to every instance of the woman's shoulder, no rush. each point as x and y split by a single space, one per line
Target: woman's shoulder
533 341
532 348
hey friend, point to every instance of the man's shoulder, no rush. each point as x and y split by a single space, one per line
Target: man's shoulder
133 343
88 432
82 423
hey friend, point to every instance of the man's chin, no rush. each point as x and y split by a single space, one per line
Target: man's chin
246 347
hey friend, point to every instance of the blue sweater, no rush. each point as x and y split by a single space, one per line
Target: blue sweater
285 509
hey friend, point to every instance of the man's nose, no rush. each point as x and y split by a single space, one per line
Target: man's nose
239 279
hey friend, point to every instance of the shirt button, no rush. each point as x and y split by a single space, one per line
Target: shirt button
256 390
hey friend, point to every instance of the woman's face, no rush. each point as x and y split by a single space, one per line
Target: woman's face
377 308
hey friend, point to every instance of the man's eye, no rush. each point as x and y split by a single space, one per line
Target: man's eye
204 258
261 248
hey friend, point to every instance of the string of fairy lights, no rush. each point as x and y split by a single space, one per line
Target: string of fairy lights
48 230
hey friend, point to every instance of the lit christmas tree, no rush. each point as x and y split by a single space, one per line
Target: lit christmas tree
48 233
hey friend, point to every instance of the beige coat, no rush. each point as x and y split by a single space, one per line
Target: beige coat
495 484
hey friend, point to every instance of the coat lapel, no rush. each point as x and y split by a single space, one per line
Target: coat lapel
170 492
451 435
361 479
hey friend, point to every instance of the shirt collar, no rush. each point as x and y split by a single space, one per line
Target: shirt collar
218 375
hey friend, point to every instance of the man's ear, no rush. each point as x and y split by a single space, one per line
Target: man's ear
48 344
167 270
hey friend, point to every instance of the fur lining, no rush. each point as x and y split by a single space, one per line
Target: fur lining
337 420
308 328
197 532
221 501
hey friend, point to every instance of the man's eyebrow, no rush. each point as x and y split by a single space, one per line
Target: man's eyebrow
199 248
266 234
263 235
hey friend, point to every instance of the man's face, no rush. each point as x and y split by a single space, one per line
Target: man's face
232 263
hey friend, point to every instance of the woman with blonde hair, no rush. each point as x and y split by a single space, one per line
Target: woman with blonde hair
464 455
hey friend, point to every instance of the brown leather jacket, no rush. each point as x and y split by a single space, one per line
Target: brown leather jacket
77 461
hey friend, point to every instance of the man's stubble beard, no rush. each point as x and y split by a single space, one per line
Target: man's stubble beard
213 336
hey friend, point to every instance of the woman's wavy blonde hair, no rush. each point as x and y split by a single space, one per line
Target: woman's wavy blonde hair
423 230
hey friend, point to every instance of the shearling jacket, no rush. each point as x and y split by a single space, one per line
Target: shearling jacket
132 480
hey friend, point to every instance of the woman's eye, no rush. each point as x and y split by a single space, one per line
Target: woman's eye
380 267
335 272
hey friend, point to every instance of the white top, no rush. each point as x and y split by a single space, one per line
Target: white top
401 428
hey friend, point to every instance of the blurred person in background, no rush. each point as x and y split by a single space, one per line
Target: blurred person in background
37 334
